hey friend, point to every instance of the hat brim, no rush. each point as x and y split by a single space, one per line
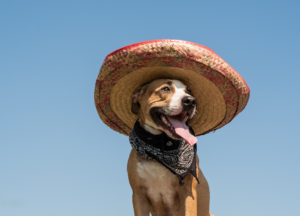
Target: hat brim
220 92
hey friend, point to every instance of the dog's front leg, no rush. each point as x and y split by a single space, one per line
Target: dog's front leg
141 204
188 196
140 200
191 205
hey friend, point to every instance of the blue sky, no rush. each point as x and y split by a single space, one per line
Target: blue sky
56 156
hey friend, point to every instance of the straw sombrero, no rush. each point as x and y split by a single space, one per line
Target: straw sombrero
220 92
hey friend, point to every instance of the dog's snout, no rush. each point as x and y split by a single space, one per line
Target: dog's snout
188 102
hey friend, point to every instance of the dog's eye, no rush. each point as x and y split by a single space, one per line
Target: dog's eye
166 89
188 91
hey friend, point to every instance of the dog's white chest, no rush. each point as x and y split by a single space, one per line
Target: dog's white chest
158 180
152 169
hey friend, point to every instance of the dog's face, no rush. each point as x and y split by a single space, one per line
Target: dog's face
164 105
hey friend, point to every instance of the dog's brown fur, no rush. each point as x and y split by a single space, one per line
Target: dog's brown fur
155 188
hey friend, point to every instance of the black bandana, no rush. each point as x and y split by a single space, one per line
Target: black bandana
176 155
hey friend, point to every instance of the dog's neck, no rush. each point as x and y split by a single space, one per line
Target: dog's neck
148 128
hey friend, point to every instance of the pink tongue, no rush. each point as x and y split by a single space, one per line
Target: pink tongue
182 130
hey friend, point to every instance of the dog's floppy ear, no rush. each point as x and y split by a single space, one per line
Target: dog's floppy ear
135 107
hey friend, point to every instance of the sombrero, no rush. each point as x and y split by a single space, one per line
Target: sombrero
220 92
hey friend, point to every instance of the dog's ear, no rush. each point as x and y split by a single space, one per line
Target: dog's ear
135 107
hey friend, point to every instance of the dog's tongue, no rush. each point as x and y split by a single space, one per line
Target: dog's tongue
182 130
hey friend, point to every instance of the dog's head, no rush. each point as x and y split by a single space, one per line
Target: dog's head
165 105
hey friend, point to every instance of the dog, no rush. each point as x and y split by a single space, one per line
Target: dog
155 188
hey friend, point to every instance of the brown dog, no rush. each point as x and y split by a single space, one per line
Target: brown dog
160 105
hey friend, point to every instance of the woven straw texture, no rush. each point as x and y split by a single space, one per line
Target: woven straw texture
220 92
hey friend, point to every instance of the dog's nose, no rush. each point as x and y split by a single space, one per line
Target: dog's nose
188 102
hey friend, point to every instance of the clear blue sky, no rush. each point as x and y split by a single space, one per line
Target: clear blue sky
56 156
